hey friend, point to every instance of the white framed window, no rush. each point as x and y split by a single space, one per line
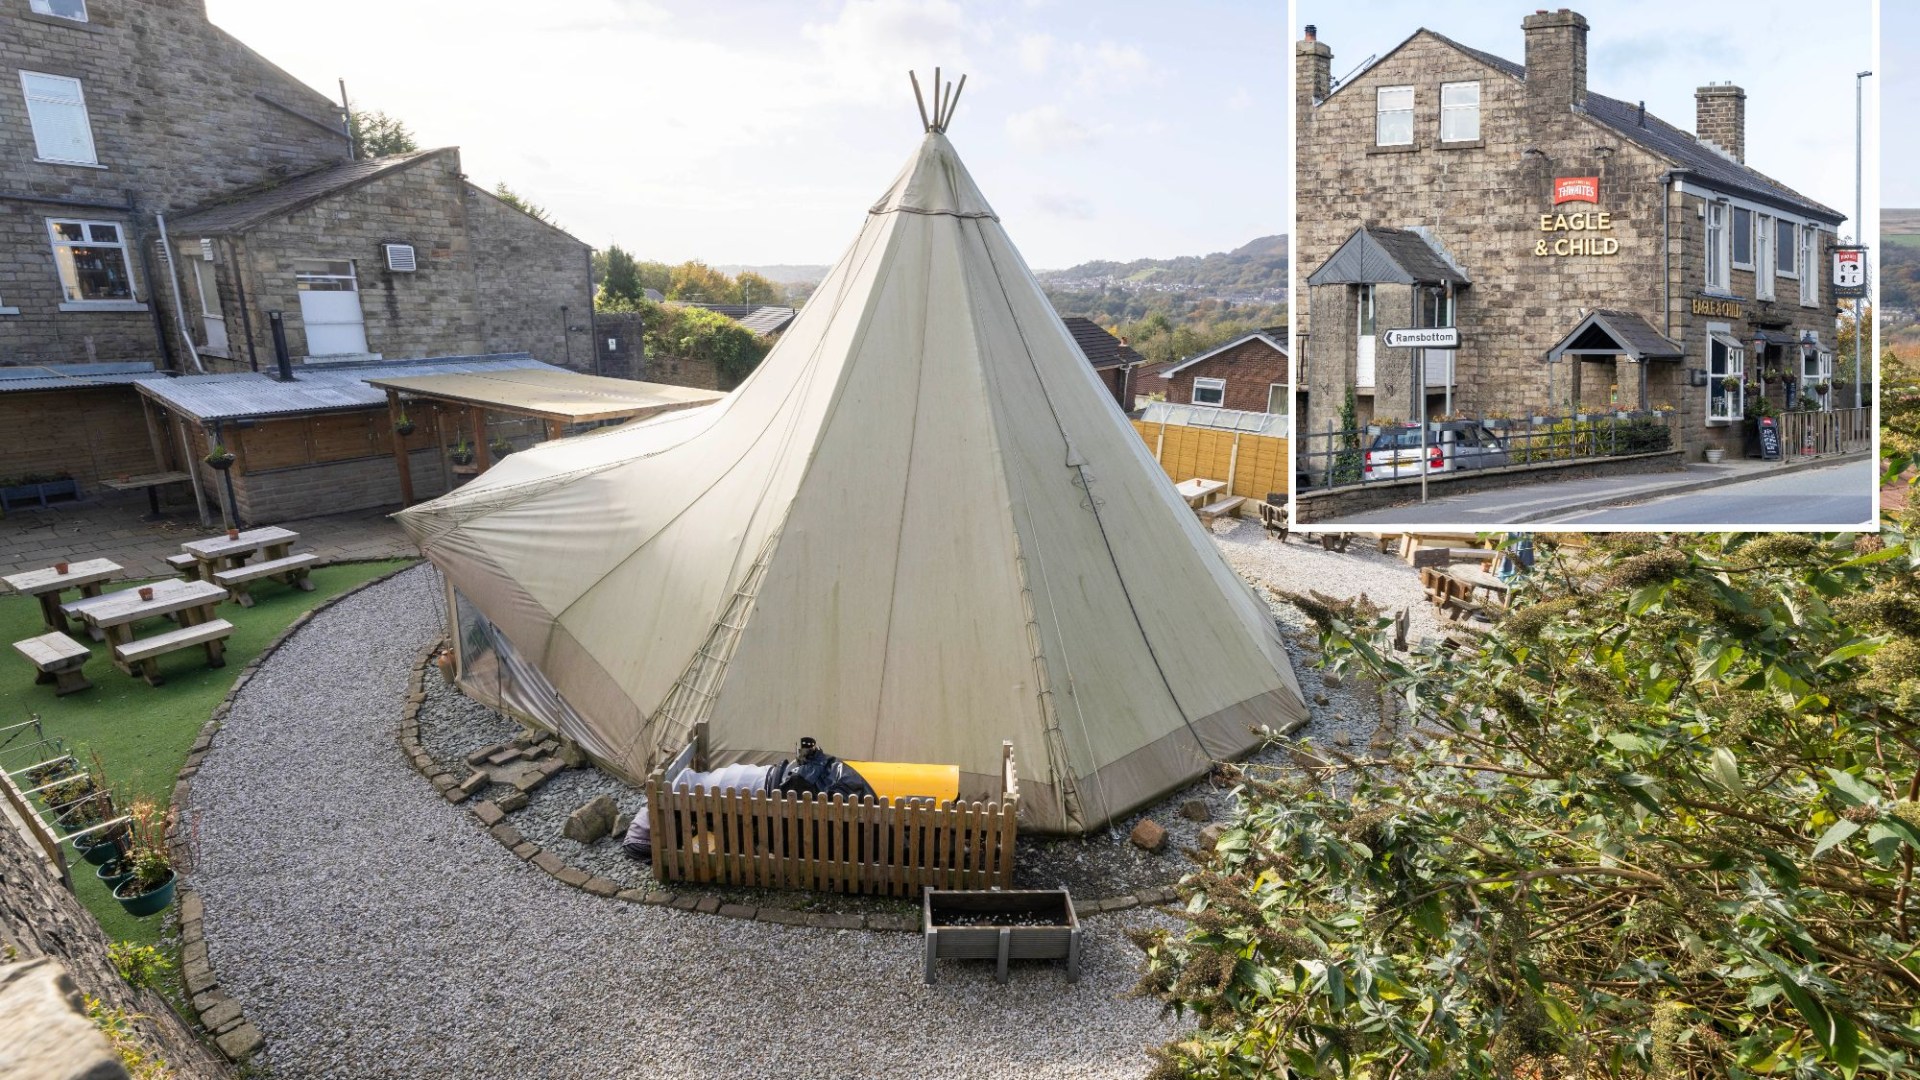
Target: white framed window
1763 260
57 109
1210 392
1742 238
1726 368
1809 266
1716 240
1277 399
324 275
1459 112
64 9
1393 116
93 261
1786 248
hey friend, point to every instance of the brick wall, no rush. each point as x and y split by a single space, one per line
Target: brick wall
526 270
90 435
180 112
1249 368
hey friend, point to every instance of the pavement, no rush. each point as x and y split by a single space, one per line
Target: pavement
1844 488
112 526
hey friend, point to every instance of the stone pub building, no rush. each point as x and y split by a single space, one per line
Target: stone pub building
1592 256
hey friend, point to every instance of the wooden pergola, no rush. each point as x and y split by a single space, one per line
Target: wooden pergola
557 398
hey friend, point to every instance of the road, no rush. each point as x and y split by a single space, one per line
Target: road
1836 495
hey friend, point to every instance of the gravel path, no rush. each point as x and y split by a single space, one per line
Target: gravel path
371 930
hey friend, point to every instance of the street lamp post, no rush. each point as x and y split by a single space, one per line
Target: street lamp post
1859 223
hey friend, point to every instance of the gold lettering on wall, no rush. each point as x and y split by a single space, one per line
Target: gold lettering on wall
1719 309
1592 221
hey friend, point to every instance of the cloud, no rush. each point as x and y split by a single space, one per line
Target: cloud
1034 51
870 44
1064 205
1049 127
1107 62
591 16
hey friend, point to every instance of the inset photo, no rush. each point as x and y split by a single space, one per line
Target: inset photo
1584 269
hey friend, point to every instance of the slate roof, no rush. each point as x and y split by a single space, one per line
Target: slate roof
1606 328
316 388
1400 256
1101 348
1677 145
240 214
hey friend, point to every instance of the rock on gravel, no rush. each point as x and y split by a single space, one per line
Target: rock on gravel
371 930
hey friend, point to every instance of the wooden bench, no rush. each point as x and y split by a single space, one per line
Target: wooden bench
185 565
58 658
75 607
1273 516
1220 507
146 652
292 570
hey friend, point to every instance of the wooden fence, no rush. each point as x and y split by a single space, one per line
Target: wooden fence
1817 434
1251 465
785 840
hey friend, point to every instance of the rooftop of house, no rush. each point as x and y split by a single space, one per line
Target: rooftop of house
249 209
1102 349
759 318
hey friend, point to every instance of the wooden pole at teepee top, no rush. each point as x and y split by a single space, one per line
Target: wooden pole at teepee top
953 102
925 125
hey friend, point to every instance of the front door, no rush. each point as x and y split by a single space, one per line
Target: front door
330 307
1363 338
205 282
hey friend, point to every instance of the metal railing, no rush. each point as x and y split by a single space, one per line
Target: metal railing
1335 458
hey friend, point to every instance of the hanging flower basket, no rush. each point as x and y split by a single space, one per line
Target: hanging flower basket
404 427
219 457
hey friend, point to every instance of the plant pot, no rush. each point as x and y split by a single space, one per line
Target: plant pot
60 567
444 660
140 904
146 592
1715 454
404 428
113 872
233 534
462 459
100 851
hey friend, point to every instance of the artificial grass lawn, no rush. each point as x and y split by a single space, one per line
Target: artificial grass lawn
142 732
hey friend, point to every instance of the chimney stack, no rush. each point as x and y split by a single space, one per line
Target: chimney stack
1720 118
1556 61
1312 71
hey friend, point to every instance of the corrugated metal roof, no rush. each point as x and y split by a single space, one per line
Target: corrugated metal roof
759 318
316 389
243 213
74 376
1399 256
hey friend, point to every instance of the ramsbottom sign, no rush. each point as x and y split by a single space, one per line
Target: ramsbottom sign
1435 337
1576 189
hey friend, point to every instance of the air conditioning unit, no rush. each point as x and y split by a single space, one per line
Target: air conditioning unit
400 258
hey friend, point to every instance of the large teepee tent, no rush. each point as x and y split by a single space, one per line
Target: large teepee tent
920 527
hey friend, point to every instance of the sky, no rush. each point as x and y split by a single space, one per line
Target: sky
1795 59
1899 54
759 131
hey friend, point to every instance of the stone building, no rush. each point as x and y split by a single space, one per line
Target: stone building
1248 374
1592 256
117 116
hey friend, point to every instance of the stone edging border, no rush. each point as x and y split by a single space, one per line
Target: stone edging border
226 1025
492 818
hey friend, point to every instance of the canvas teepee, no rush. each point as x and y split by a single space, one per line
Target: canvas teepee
920 527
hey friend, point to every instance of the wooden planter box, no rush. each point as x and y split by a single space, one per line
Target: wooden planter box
1020 924
790 841
38 493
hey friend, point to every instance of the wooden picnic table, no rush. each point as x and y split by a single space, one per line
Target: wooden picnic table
152 482
46 586
220 553
1197 490
1482 582
193 602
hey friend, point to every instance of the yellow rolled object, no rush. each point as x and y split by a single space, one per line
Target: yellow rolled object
907 780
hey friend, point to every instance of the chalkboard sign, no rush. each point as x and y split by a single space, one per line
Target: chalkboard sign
1769 438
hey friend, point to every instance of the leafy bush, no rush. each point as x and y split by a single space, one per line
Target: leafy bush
1664 823
692 333
140 965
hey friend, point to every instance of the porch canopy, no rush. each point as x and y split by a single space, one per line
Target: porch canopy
554 395
1611 333
1375 256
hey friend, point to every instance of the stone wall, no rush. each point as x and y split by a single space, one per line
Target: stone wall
1249 368
40 918
180 112
1335 503
526 272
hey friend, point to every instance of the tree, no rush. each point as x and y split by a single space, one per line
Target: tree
622 276
1663 822
519 202
696 282
754 289
375 134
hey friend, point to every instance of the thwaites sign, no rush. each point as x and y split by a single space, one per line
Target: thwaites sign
1568 189
1849 272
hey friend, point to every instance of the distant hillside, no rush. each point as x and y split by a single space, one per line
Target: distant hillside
782 273
1254 272
1899 265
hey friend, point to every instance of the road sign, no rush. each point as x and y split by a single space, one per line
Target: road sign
1433 337
1849 271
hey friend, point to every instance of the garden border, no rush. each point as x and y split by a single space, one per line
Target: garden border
493 819
220 1016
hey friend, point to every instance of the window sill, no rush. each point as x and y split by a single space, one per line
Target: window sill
56 20
1206 404
103 305
9 311
70 164
1720 294
1476 144
1409 148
